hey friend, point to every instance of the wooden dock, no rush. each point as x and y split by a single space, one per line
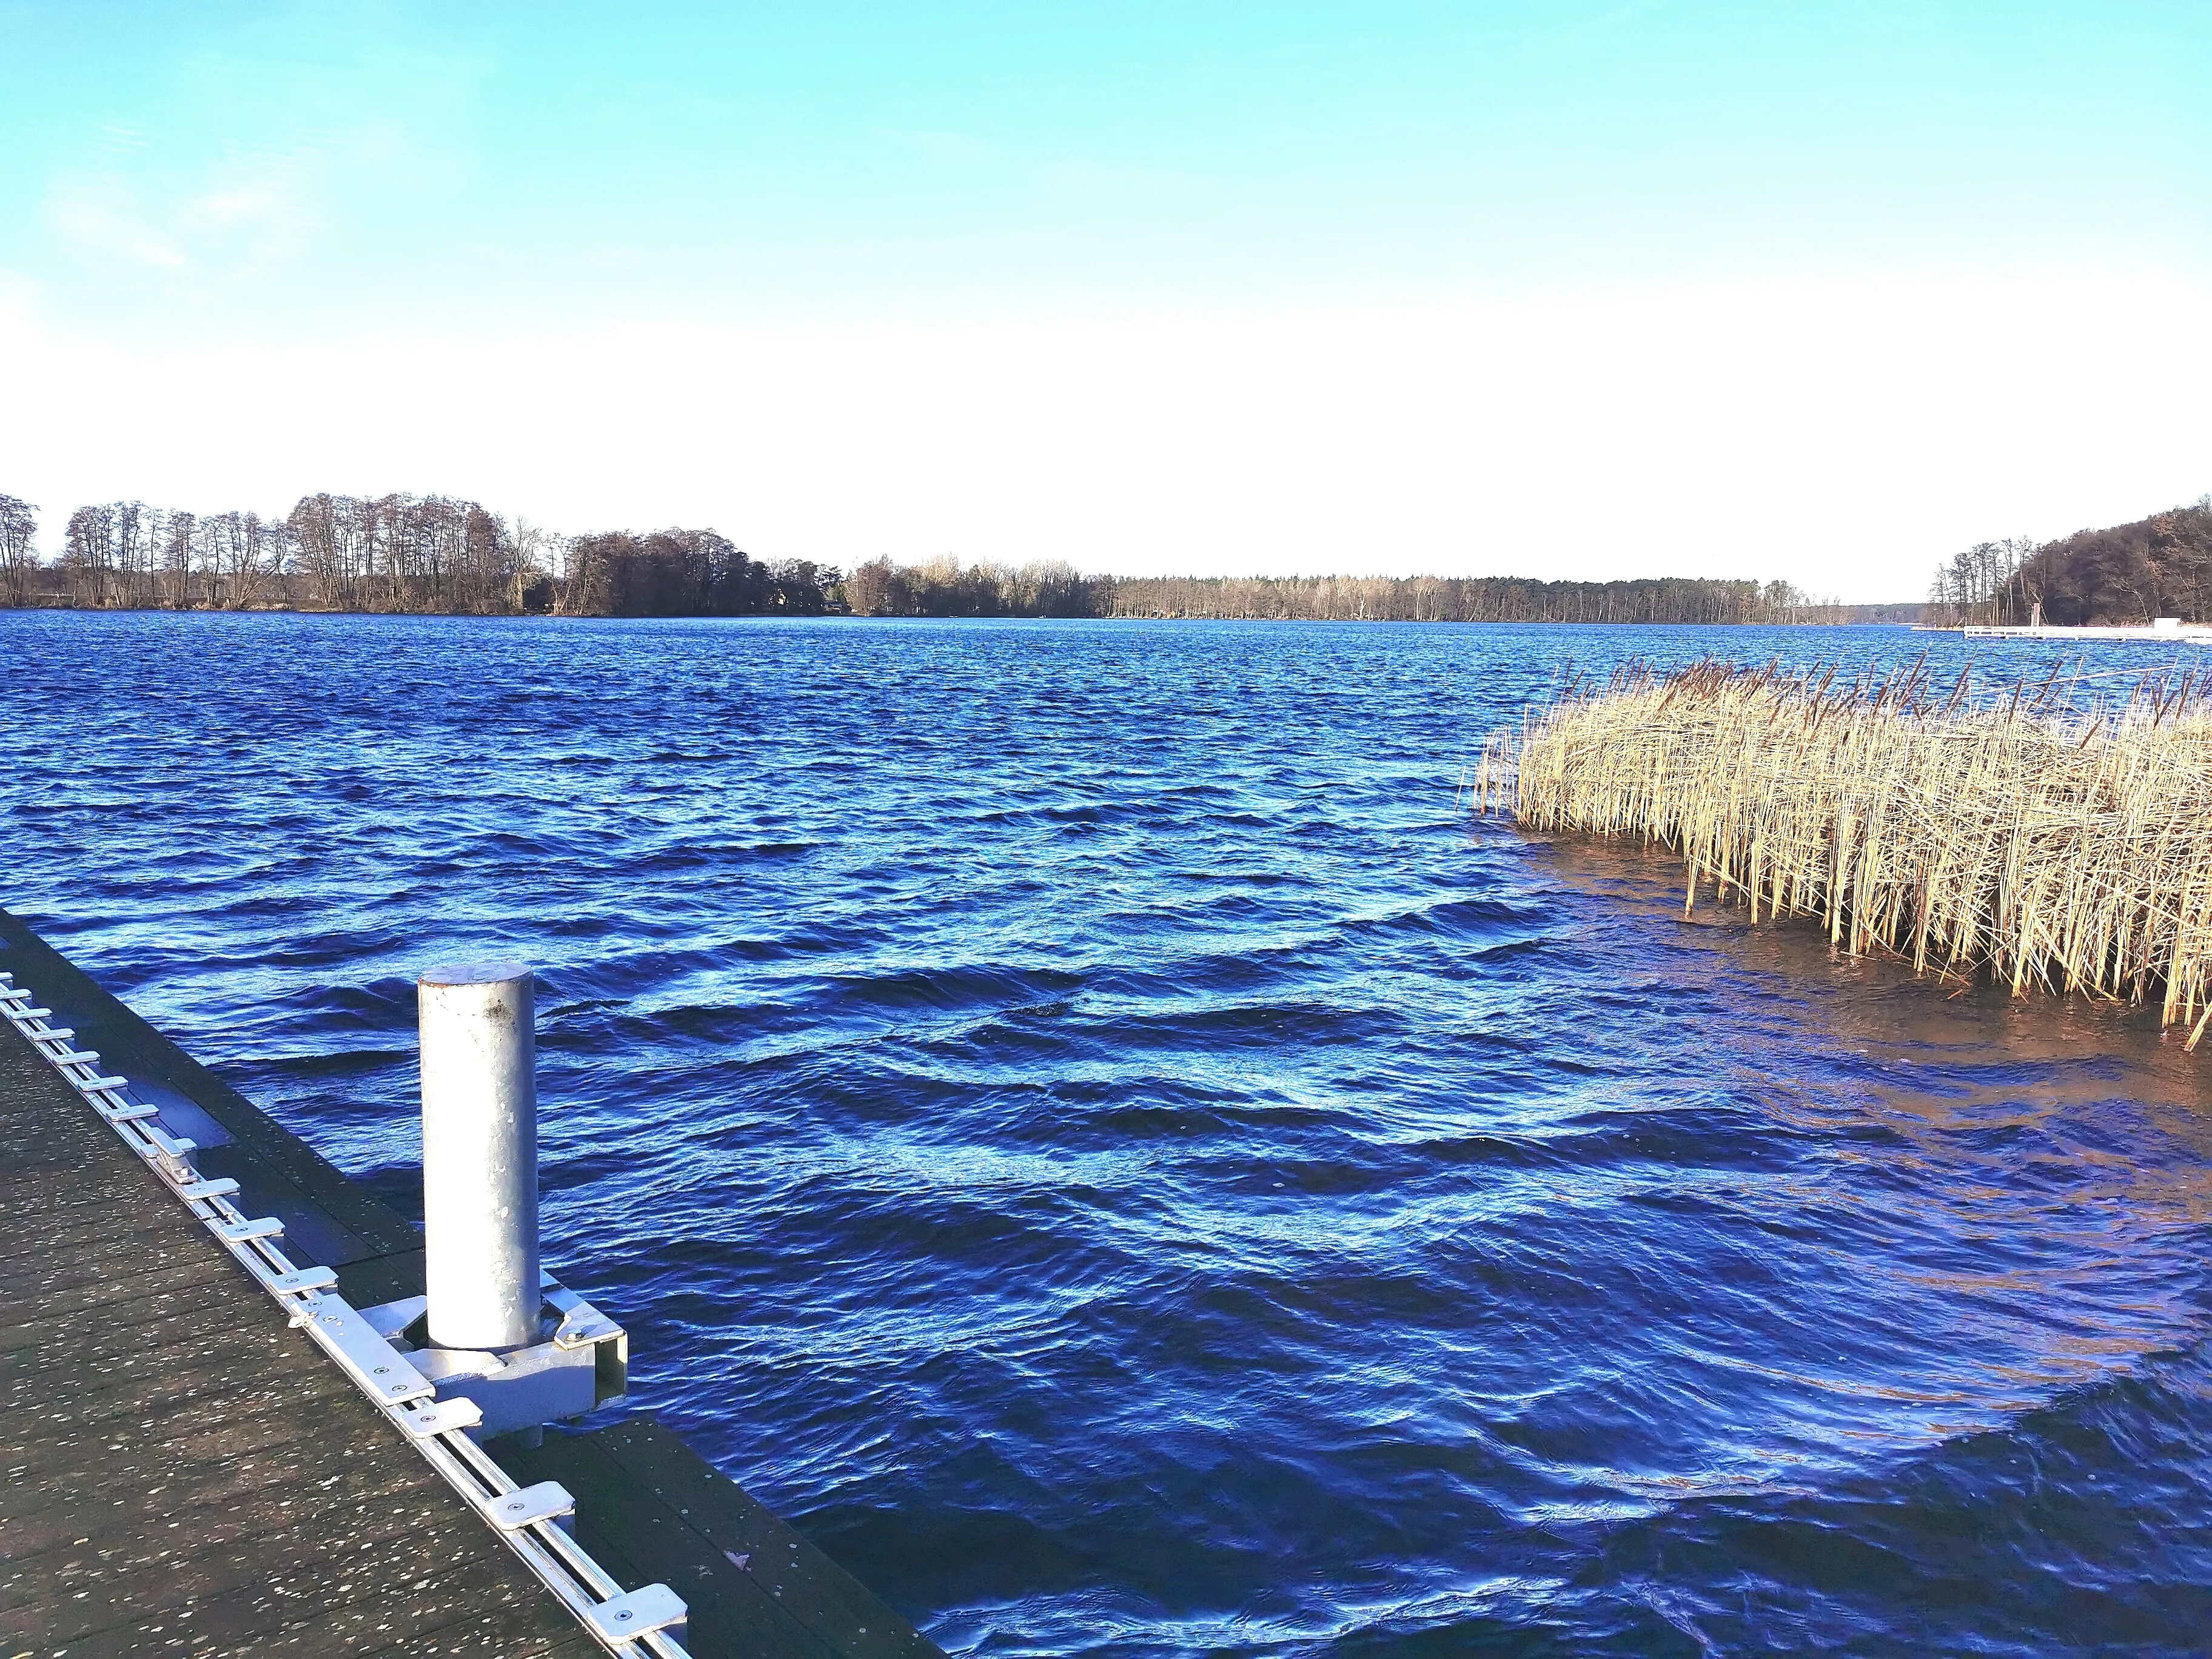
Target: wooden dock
187 1473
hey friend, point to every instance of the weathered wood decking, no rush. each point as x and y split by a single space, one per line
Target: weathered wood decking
183 1471
186 1474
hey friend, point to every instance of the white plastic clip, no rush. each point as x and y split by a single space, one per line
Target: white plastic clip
175 1148
445 1415
546 1501
308 1278
640 1612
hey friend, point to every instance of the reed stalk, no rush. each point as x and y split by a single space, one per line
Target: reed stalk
2028 834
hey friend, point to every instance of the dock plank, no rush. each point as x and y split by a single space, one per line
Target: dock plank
753 1583
276 1475
447 1613
142 1364
129 1046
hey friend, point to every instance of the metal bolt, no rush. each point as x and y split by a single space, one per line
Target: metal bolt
624 1613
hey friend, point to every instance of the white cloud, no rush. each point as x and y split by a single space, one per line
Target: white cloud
241 164
238 210
123 138
103 217
1842 435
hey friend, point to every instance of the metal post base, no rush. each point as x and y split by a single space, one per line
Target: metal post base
580 1363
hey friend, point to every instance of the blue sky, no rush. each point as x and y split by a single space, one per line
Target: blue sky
660 192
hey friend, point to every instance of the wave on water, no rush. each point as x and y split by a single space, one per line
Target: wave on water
1072 1117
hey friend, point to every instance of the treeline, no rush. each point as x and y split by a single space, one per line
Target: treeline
1461 600
945 588
333 552
425 554
432 554
685 572
2129 574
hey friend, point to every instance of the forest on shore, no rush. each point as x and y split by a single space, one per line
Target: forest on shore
943 587
425 554
435 554
2160 566
432 554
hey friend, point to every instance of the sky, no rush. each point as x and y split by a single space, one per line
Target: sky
1819 292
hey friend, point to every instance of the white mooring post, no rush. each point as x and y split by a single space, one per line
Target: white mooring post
480 1155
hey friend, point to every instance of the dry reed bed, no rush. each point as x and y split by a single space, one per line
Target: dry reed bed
2046 843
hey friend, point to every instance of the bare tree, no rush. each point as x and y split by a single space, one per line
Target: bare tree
134 532
536 557
241 559
337 544
176 531
87 556
19 559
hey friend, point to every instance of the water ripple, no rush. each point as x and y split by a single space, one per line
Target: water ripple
1071 1115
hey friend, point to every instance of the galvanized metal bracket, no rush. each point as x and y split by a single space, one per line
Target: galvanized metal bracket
581 1324
580 1363
644 1610
548 1500
391 1319
305 1278
446 1416
442 1365
363 1354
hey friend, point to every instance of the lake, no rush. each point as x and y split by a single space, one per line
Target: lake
1074 1116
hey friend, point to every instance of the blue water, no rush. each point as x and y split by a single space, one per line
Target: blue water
1073 1117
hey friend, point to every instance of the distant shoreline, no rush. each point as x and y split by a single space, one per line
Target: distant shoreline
435 555
1881 620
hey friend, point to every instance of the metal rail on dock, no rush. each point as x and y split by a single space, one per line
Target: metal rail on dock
527 1519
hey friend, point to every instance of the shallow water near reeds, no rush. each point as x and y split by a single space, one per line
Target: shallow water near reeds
1072 1116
